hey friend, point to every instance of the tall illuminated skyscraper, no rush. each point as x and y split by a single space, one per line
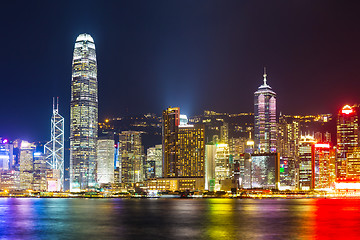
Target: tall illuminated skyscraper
265 118
170 129
84 115
347 137
183 146
306 164
54 149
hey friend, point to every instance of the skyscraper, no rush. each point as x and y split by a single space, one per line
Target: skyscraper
84 115
191 151
170 128
105 161
54 149
132 156
323 173
265 118
347 137
26 165
154 162
306 164
183 146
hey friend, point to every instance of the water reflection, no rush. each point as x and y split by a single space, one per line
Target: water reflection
220 223
178 219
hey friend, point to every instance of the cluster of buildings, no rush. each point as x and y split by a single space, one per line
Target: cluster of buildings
209 152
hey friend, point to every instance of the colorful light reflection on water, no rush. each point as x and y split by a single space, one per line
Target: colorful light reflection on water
32 218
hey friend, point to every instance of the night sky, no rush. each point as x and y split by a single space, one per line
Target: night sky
193 54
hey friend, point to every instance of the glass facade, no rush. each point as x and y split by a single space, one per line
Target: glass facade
264 171
105 161
131 157
265 118
347 137
84 115
306 165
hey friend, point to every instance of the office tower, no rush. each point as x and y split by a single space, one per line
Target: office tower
262 171
210 153
54 149
265 118
171 122
237 149
39 176
306 165
26 165
288 145
131 158
154 162
183 147
10 180
353 164
6 155
223 167
105 161
347 137
224 133
84 115
191 151
323 166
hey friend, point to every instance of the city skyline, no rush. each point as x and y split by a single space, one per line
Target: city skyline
159 49
180 119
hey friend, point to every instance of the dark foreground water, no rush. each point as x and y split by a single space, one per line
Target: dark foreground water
179 219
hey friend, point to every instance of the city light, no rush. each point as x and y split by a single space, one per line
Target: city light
347 109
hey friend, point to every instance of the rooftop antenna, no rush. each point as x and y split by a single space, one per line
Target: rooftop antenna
265 76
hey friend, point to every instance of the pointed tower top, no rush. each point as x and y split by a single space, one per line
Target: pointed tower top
265 76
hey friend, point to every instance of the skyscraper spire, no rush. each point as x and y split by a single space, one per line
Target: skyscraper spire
265 76
57 104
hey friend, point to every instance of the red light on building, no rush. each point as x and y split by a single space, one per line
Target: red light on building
322 145
347 109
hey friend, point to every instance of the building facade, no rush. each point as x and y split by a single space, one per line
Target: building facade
265 118
26 165
83 115
323 174
347 137
131 158
105 161
170 127
191 151
154 162
306 164
54 149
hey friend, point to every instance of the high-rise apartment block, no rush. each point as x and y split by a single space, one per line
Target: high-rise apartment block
83 115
